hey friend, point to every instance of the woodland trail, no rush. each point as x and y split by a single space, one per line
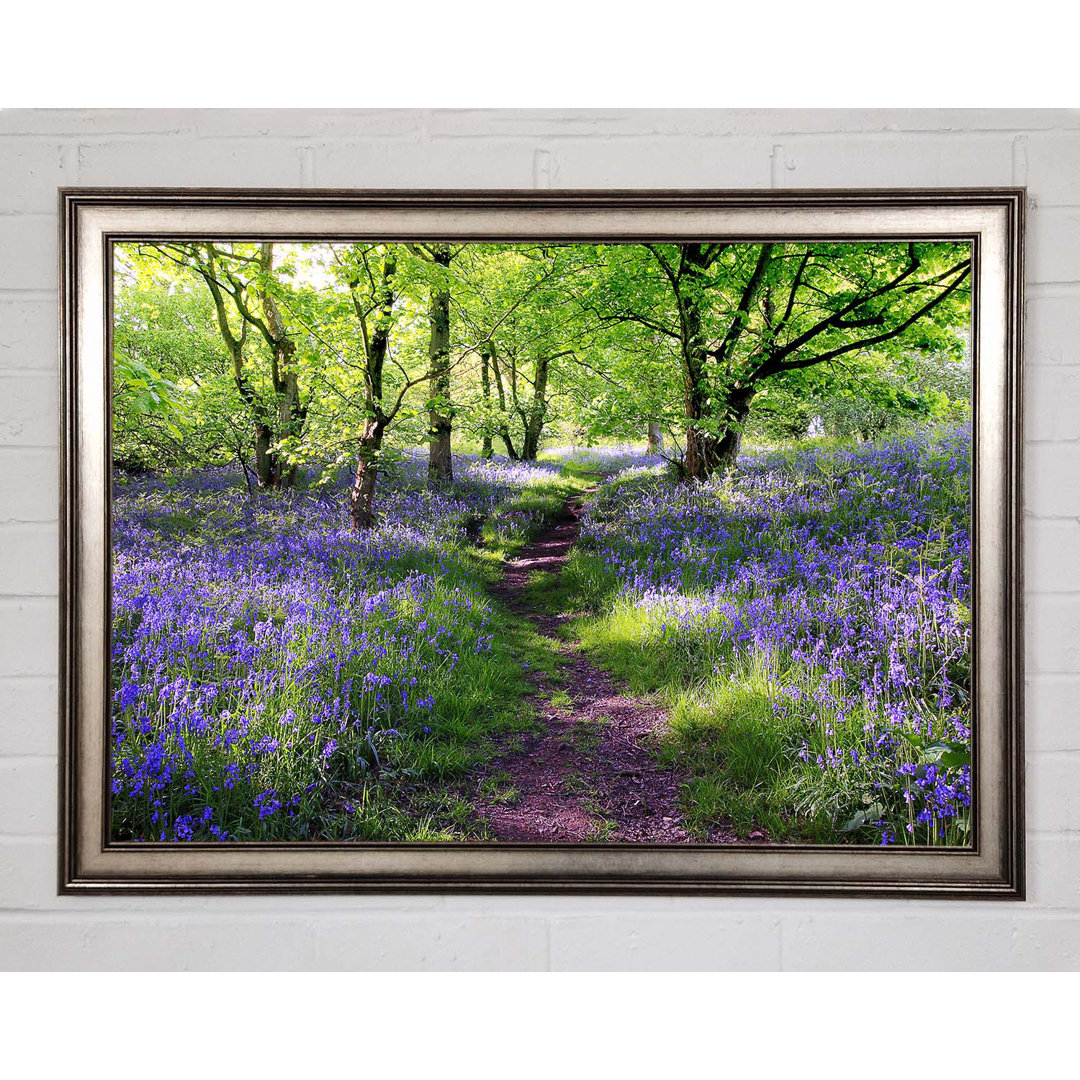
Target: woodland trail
588 771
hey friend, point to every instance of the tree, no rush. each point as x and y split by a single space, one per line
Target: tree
367 327
375 315
737 315
175 401
494 419
440 414
485 389
514 302
241 281
440 408
309 355
884 395
361 385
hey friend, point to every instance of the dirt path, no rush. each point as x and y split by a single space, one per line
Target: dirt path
589 772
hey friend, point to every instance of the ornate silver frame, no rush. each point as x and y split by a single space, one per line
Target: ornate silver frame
992 219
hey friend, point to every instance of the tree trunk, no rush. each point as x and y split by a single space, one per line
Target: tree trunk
714 417
264 458
290 411
282 419
656 437
290 421
504 431
440 460
511 453
700 458
485 388
362 496
537 413
530 443
737 409
262 435
708 454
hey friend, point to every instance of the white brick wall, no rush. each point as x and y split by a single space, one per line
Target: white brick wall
543 148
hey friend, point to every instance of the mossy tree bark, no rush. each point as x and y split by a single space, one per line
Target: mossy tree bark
440 416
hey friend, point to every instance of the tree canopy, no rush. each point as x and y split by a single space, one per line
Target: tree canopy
281 356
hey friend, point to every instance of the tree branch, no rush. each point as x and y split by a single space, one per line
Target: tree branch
770 368
834 319
740 318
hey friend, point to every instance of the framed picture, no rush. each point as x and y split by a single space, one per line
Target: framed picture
542 541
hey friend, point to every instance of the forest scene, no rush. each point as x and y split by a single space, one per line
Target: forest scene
541 542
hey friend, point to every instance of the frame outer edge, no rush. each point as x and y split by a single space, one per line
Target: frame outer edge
1016 543
70 880
66 594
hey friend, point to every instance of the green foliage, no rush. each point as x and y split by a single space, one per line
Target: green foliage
867 399
575 341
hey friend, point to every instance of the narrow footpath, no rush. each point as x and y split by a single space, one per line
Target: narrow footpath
588 772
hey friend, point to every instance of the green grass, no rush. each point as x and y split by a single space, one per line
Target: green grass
723 732
491 706
742 758
497 788
421 791
551 594
603 829
736 736
418 790
507 530
419 784
582 470
749 751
